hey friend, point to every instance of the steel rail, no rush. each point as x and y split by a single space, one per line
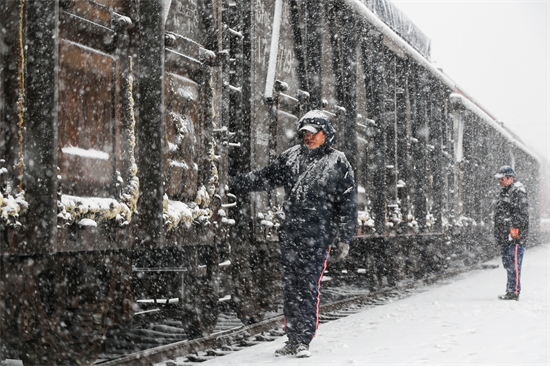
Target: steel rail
183 348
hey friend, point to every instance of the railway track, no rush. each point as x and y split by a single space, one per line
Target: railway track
231 336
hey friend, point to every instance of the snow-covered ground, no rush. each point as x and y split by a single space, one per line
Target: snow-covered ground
458 322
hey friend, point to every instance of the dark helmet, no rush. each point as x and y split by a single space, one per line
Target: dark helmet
315 121
505 171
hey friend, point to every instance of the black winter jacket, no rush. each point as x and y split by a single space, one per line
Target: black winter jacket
320 200
511 211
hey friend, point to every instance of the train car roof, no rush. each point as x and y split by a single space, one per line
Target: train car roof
458 95
399 42
463 100
397 20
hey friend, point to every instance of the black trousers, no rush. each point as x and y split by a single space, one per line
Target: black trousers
303 265
512 258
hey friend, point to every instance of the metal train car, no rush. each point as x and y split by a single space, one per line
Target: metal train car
122 120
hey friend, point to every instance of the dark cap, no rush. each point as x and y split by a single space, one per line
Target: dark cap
505 171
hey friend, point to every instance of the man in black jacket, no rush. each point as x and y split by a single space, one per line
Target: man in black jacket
511 228
320 209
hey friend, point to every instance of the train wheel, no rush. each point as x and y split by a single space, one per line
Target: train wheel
268 272
39 312
41 354
25 320
52 328
45 297
246 299
201 294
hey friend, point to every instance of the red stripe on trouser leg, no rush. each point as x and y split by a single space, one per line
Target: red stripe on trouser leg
319 294
517 269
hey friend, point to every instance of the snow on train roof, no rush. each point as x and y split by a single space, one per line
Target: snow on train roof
362 9
405 47
401 24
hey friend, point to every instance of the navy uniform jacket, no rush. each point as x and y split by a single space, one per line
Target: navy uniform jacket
511 211
320 202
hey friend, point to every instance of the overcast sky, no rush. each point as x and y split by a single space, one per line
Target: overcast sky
497 51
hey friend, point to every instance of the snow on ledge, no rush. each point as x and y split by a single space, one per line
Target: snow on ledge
87 222
96 208
176 213
86 153
11 206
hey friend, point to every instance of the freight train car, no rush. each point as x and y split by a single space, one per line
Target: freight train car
122 121
110 171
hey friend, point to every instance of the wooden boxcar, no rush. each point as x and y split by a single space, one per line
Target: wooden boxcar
122 120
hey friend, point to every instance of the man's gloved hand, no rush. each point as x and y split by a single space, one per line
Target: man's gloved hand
343 250
514 233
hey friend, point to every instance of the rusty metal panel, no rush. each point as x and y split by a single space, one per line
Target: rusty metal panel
97 175
98 11
86 82
81 30
184 18
92 127
183 138
191 111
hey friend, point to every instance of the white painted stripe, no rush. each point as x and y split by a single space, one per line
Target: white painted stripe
272 67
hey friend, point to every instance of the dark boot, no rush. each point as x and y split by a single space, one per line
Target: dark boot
509 296
288 349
